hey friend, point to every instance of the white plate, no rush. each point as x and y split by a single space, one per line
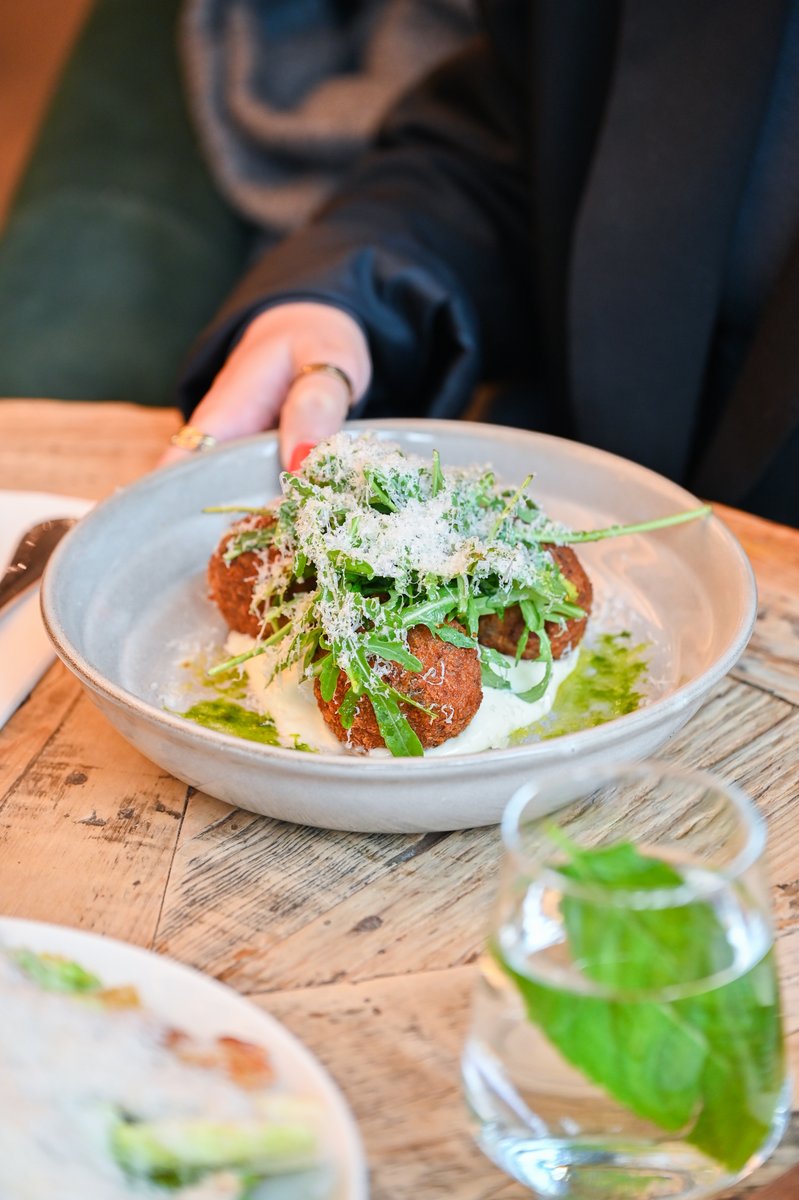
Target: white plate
125 601
199 1005
25 649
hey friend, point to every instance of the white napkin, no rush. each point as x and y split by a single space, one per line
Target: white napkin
25 649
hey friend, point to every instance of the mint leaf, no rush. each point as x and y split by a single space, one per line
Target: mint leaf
639 949
744 1068
623 1047
709 1065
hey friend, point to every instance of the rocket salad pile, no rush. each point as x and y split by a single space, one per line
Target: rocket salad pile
369 543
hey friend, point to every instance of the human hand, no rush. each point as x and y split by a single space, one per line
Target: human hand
260 385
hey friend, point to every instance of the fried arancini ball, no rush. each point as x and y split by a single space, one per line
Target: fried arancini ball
448 683
231 584
503 635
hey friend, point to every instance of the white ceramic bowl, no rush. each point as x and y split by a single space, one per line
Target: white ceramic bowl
124 600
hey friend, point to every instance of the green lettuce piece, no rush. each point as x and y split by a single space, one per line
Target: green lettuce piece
173 1152
56 974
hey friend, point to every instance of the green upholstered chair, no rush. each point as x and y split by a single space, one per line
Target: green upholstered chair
118 247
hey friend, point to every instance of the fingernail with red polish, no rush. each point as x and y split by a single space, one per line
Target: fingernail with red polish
299 454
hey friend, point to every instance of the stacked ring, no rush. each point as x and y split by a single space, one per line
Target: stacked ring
189 438
328 369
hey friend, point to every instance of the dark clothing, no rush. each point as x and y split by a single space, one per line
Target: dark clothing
598 204
287 95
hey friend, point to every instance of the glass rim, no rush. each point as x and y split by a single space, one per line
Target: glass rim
601 775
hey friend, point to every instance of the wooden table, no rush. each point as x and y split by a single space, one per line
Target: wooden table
363 945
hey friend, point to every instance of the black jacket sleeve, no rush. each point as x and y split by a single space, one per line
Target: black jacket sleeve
427 246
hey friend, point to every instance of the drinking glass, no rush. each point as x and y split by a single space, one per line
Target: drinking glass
626 1040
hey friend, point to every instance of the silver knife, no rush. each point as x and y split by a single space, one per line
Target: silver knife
30 558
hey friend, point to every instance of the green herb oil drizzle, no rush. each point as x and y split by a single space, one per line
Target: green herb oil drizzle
227 717
605 684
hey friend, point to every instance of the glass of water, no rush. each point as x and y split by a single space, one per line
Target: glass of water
626 1040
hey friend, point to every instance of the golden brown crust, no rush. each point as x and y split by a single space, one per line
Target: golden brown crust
231 584
503 635
448 683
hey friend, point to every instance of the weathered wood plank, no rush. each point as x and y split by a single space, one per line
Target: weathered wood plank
79 449
88 832
268 906
311 905
732 716
393 1046
771 660
772 549
34 723
751 742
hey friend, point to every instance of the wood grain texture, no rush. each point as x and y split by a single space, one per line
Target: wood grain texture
784 1187
363 945
411 1027
79 449
772 658
88 830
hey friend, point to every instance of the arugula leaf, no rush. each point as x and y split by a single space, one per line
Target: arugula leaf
455 637
462 584
428 611
328 677
709 1064
245 541
489 678
346 712
521 646
493 669
394 727
537 690
437 479
530 614
571 537
392 652
511 504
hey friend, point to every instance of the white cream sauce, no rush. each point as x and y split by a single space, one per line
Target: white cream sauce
289 700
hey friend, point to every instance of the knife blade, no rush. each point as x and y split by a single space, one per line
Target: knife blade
30 558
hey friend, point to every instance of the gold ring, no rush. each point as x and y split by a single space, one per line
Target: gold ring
189 438
328 369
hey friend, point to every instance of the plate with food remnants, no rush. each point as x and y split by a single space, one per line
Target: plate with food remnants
397 635
126 1074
